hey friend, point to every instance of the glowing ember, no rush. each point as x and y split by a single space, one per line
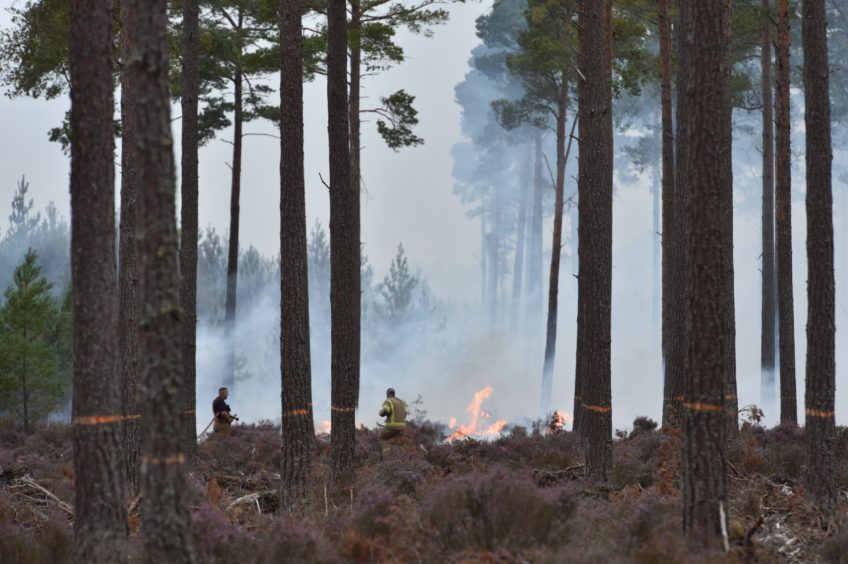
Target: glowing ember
325 428
479 426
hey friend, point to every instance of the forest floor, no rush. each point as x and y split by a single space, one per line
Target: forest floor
520 498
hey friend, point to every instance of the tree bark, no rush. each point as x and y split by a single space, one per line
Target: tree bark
128 271
520 238
189 223
820 435
728 295
355 155
100 516
297 422
235 195
672 392
167 531
556 247
769 281
595 238
579 426
344 255
706 138
355 42
656 238
783 143
677 336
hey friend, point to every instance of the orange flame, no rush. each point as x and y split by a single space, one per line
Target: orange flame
477 416
560 419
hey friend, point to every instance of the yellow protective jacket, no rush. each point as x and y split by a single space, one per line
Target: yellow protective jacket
394 410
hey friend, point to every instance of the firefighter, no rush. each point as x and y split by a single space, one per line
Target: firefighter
394 410
223 418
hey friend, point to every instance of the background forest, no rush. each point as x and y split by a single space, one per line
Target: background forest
466 320
596 245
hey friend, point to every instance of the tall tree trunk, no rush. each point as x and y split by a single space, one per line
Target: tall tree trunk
167 531
495 258
296 374
344 254
678 335
820 435
24 392
355 42
783 143
355 125
579 426
484 253
595 238
656 239
128 272
534 252
556 247
100 515
520 230
706 139
189 223
235 195
767 335
728 300
670 237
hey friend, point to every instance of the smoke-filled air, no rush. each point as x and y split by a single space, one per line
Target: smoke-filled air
423 280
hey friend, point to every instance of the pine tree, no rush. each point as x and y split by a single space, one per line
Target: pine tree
820 435
344 255
128 270
705 86
672 393
100 514
783 215
189 223
29 377
298 427
595 236
769 279
397 288
167 532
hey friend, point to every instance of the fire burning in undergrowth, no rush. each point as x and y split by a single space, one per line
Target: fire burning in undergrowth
324 429
559 419
481 424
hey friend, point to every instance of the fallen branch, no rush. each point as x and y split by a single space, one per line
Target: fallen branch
252 497
64 506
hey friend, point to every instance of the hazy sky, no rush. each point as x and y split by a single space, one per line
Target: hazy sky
409 194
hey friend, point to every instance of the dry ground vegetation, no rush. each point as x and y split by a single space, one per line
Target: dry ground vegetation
520 498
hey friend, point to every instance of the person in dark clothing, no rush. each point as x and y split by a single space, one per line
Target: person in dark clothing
223 418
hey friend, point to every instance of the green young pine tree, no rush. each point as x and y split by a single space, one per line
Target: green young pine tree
397 289
30 383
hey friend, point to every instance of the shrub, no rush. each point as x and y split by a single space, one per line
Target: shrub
497 509
402 474
216 539
291 541
371 511
835 550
